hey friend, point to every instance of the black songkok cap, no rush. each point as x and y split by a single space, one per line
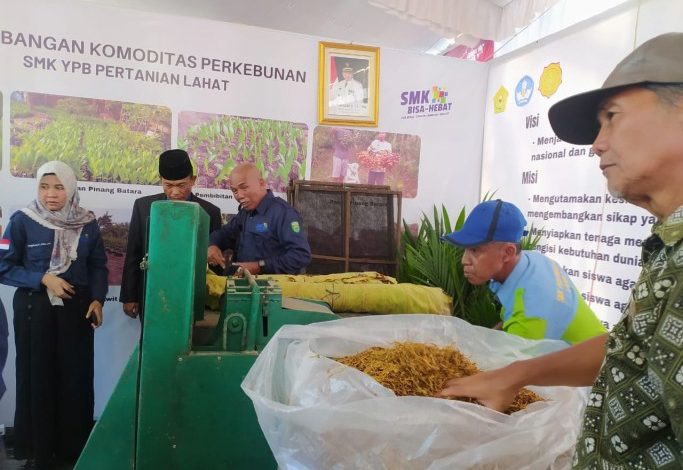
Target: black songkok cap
175 164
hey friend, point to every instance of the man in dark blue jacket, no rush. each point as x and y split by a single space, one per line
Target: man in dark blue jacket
266 235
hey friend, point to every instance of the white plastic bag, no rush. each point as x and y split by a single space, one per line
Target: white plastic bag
319 414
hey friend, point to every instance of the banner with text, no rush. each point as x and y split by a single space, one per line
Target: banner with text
108 96
595 237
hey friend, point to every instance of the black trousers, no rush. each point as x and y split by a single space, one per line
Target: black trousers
55 396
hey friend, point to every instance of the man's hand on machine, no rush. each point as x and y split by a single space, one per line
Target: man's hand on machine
251 266
215 257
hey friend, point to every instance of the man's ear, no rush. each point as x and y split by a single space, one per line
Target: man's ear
510 251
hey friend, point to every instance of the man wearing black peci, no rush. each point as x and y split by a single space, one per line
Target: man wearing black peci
177 180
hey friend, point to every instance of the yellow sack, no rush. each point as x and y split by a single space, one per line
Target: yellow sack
372 298
215 284
354 293
367 277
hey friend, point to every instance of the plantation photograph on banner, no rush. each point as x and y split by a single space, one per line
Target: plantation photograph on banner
349 84
217 143
101 140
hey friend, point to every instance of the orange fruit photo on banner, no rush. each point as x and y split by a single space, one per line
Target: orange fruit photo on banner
366 157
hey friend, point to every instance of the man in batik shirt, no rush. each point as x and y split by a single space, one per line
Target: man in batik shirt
634 415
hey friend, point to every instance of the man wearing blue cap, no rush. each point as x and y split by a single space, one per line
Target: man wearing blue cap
538 299
634 415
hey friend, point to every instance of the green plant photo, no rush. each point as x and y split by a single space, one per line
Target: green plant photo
101 140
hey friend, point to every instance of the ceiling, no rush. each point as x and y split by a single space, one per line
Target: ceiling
384 23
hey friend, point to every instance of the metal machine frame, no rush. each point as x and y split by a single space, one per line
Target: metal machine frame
179 405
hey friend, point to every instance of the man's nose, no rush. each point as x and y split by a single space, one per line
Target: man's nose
600 143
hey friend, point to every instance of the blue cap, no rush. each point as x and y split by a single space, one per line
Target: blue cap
490 221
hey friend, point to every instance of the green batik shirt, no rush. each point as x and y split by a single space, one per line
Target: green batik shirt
634 414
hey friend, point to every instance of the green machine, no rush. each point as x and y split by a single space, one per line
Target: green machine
178 403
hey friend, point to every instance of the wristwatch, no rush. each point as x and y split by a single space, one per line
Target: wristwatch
261 263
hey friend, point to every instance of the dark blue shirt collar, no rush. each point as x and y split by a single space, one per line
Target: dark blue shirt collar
265 203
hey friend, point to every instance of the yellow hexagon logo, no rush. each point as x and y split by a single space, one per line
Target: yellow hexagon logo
500 100
551 78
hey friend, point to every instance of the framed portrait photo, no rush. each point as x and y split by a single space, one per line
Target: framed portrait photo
348 84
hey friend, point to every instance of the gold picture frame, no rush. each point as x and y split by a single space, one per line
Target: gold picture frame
348 85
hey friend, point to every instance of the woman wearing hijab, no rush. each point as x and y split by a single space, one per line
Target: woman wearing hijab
52 251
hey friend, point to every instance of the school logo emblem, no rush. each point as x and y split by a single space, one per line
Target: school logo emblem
551 78
295 227
524 90
500 100
432 101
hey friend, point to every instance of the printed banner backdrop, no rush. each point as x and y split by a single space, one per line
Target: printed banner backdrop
366 157
559 186
107 99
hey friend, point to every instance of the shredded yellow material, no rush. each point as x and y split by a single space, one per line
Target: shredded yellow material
417 369
359 292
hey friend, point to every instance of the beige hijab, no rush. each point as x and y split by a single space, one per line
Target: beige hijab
67 222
